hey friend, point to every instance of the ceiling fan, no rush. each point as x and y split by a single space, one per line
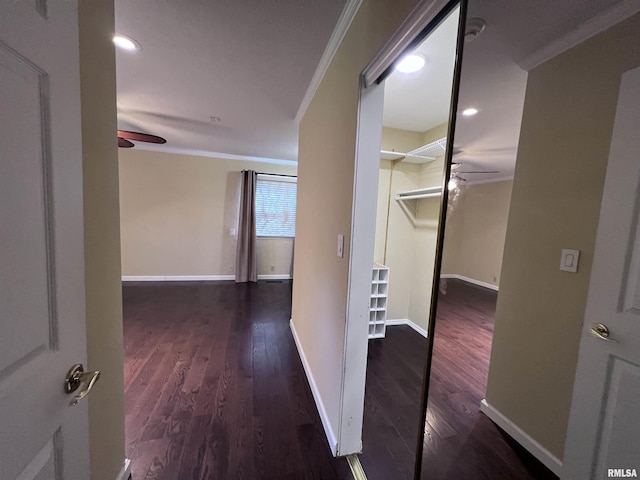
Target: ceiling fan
124 137
455 169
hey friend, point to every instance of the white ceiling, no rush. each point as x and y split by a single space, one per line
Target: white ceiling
248 62
420 101
492 79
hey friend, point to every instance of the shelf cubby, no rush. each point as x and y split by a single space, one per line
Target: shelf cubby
378 301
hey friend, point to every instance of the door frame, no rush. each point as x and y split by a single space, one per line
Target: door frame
597 361
418 25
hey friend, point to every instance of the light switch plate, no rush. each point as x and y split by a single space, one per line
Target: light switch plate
569 260
340 245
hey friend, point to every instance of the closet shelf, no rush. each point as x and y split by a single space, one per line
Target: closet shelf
423 154
427 192
391 155
430 151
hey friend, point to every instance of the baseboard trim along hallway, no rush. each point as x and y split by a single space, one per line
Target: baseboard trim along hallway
470 280
196 278
331 437
520 436
406 321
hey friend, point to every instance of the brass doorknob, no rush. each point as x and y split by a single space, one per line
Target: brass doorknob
76 376
600 330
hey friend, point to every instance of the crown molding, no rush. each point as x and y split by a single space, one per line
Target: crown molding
150 147
344 22
597 24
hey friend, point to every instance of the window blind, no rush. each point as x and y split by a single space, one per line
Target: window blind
276 206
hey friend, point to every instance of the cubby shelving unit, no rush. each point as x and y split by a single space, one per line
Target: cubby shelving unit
378 301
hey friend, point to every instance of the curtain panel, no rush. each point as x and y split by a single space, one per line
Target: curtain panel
246 262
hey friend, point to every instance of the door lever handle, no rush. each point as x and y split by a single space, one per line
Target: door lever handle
76 377
600 330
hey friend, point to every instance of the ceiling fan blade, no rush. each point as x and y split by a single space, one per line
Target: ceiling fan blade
140 137
124 143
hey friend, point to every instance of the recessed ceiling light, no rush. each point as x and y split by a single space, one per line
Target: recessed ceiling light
411 63
126 43
468 112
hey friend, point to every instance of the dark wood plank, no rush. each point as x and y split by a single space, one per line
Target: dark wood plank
215 388
460 442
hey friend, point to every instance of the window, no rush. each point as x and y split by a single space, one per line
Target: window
276 206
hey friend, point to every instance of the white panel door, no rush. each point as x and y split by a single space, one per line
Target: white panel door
603 440
42 323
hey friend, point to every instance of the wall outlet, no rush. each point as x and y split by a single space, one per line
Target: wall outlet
272 268
232 269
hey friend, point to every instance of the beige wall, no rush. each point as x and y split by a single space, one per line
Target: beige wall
436 133
410 249
396 140
476 229
325 192
177 211
425 238
102 238
400 242
382 210
562 156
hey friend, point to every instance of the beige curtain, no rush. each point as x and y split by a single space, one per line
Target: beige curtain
246 263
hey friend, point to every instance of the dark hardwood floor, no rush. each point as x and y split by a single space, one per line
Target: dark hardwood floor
214 387
460 442
392 404
215 390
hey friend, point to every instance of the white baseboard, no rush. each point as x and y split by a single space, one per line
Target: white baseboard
176 278
280 276
195 278
520 436
331 437
126 470
406 321
490 286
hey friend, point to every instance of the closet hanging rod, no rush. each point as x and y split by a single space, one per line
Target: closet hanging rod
417 196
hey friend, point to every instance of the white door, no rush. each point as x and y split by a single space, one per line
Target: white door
42 323
603 440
